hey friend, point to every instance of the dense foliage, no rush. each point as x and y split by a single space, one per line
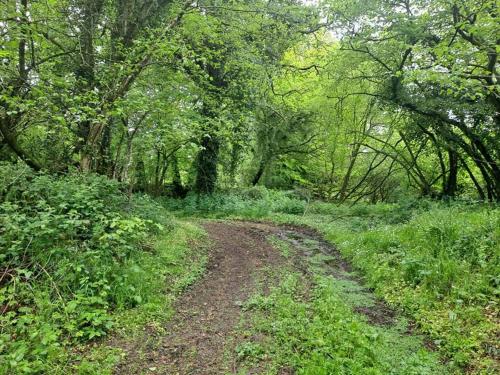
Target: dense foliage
374 121
73 251
352 100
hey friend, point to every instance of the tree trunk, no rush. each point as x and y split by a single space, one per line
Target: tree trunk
140 180
472 151
473 178
260 171
179 190
156 189
451 181
128 160
104 160
206 165
235 156
164 169
341 196
11 140
489 161
90 11
114 167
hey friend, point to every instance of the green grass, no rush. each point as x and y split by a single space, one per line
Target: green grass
281 245
441 267
438 262
323 335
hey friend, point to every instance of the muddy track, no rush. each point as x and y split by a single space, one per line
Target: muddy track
203 328
202 335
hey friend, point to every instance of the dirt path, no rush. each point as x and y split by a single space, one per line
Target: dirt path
203 329
202 336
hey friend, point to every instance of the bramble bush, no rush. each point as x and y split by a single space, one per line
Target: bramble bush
68 252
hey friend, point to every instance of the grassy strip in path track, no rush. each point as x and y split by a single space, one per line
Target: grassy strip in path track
310 325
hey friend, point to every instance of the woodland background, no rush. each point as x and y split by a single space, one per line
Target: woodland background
375 121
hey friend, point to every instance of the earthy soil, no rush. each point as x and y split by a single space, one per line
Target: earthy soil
202 335
203 328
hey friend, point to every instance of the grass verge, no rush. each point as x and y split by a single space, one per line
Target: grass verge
179 260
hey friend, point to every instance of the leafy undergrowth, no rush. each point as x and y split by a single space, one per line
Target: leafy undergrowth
174 267
437 261
80 258
253 203
441 267
321 334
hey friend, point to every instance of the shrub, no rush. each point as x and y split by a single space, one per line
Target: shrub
254 202
68 249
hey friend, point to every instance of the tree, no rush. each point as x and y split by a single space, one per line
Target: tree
436 61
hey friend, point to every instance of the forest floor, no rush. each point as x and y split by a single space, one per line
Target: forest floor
210 323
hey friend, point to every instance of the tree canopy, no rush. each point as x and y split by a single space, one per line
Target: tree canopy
349 100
